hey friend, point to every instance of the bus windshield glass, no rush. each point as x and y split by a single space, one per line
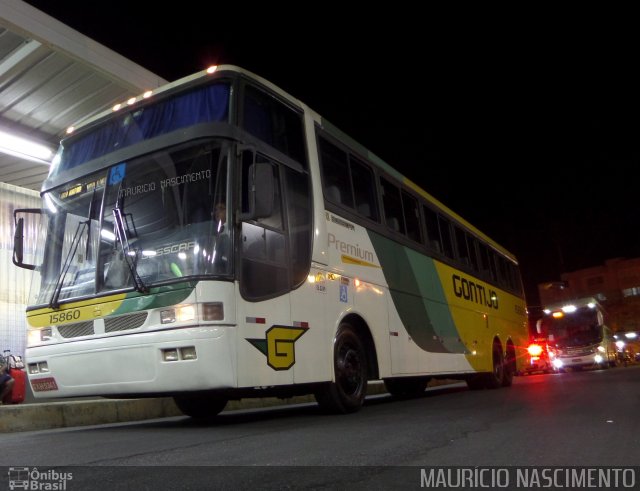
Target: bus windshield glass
579 328
153 220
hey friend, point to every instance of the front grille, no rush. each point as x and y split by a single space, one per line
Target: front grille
124 322
76 330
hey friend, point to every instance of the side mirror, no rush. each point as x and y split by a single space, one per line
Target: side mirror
18 242
18 239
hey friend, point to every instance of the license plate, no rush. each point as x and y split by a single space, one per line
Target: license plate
44 384
576 360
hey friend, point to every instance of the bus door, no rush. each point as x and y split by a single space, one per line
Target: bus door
275 248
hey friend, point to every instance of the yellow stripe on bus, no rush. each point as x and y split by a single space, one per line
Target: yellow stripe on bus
352 260
84 310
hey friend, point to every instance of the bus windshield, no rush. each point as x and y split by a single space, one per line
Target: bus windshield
155 219
580 328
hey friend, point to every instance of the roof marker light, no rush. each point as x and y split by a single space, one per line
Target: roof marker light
212 69
70 130
117 107
147 94
131 101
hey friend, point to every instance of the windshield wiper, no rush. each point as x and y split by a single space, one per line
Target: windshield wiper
53 303
121 235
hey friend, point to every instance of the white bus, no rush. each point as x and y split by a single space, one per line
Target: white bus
578 335
218 239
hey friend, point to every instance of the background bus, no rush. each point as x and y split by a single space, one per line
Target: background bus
578 335
218 239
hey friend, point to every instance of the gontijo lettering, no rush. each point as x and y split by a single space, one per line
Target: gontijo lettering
474 292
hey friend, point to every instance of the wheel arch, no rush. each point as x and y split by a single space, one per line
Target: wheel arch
364 333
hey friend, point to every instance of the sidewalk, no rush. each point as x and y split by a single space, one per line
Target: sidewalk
31 416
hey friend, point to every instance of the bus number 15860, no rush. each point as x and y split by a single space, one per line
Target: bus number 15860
66 316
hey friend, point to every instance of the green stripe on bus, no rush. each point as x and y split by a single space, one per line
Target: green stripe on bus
408 291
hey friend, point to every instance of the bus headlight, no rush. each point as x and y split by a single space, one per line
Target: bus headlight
598 358
557 363
38 336
180 313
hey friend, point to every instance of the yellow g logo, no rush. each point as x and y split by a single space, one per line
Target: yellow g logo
279 346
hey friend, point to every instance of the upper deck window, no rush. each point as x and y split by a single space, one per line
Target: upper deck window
274 123
202 105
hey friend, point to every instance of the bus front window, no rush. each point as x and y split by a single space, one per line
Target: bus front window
172 206
147 221
580 328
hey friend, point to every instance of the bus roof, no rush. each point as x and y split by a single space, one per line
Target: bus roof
199 77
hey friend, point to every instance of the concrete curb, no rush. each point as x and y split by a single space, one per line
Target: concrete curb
44 416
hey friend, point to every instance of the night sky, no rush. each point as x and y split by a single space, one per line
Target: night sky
527 127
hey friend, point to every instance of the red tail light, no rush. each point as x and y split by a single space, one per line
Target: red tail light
534 349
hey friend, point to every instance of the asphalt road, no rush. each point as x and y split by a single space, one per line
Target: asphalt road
587 418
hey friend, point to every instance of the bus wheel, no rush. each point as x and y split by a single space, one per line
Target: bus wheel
347 393
495 378
406 387
510 367
200 406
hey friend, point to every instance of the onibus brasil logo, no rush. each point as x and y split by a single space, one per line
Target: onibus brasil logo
278 346
26 478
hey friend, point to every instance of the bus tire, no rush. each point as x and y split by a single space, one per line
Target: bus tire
347 393
200 406
495 378
510 367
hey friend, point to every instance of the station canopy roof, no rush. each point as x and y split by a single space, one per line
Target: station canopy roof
53 77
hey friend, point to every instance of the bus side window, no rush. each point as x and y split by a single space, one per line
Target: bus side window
461 242
445 232
412 217
273 122
392 206
335 173
431 225
364 190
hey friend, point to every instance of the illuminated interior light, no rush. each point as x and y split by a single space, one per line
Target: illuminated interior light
25 149
117 107
131 101
147 94
212 69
